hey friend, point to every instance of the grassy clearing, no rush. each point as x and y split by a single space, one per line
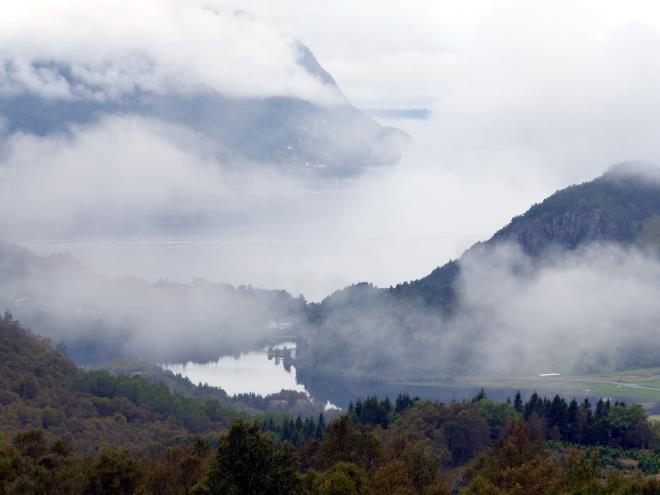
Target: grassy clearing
609 390
638 376
618 384
611 384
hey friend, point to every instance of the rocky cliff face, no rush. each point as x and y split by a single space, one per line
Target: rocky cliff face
612 207
568 230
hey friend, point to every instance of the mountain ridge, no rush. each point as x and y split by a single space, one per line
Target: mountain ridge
423 327
283 131
566 219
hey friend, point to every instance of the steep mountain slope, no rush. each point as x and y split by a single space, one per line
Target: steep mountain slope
621 206
436 325
613 207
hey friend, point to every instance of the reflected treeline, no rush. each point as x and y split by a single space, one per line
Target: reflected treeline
285 355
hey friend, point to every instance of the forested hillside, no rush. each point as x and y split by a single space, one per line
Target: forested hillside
134 406
41 388
70 431
433 326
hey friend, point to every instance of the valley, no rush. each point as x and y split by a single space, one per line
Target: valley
329 248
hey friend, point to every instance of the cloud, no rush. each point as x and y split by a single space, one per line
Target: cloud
383 54
106 50
528 99
98 177
125 175
576 311
240 222
637 170
556 90
589 310
103 318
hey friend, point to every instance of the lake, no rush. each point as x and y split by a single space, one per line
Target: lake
262 373
255 372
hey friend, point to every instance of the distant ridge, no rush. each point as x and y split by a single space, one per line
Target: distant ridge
279 131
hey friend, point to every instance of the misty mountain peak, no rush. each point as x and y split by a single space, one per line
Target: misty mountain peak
281 109
307 60
633 170
614 208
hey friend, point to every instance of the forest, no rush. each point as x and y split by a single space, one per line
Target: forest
64 430
409 447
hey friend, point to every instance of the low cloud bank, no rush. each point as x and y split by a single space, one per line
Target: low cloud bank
76 50
99 318
591 309
585 310
125 175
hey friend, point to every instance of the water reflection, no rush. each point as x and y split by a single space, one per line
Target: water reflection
262 372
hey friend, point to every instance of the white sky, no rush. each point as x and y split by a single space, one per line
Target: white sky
405 52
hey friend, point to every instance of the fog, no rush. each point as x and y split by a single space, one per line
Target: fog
133 196
100 319
587 310
113 48
124 175
526 99
512 122
558 90
583 311
568 312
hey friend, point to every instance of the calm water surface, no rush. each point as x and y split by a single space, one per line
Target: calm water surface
249 372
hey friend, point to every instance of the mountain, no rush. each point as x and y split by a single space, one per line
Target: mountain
439 324
444 323
621 206
286 132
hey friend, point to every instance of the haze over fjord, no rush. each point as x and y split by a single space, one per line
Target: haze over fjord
511 124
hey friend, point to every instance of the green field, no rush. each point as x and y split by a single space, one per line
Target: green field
638 385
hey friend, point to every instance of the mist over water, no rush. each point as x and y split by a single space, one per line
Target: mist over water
388 225
313 237
138 195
